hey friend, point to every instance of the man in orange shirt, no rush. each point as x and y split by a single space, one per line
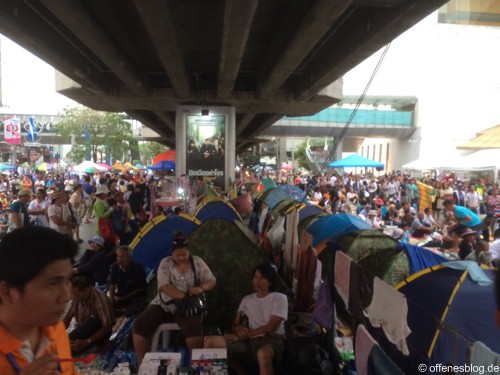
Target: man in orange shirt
35 266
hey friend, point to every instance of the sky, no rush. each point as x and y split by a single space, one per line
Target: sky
28 83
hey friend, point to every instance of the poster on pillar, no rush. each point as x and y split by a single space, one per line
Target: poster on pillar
205 147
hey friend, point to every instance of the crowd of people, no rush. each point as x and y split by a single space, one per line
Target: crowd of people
392 203
63 202
88 294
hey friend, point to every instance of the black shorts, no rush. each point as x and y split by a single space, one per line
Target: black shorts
150 319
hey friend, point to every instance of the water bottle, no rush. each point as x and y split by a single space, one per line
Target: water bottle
162 369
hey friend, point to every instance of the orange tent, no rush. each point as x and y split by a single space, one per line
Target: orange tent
168 155
119 166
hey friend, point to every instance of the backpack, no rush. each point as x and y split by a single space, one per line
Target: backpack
305 355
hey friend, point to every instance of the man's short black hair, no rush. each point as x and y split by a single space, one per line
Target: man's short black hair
268 272
447 202
25 252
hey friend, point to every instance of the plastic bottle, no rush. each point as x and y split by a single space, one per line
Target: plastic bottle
162 369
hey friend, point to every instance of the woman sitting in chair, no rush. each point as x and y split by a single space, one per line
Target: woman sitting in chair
176 280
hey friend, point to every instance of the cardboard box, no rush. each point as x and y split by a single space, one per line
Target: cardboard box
214 360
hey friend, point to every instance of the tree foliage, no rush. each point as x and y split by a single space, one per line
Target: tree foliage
300 155
104 128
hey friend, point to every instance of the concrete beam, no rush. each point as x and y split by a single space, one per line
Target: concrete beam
238 18
76 19
158 22
314 26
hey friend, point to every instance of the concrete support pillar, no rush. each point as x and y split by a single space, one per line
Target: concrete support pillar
338 152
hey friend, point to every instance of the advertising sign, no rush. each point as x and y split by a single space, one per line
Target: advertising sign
205 147
12 130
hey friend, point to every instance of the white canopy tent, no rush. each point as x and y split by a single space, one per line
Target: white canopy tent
480 161
435 163
86 164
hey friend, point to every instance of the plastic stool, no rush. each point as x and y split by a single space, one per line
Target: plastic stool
164 331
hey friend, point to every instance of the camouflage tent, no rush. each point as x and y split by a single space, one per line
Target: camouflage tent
231 254
377 253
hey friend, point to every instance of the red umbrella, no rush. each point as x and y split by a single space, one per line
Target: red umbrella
168 155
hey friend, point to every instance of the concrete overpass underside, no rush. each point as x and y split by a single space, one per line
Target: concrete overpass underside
267 59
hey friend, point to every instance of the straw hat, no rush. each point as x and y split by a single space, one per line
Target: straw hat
467 231
57 195
24 192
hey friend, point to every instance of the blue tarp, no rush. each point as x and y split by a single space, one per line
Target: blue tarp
294 192
420 258
353 161
333 226
165 165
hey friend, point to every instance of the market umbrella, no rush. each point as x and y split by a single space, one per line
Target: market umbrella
168 155
44 167
6 167
118 166
139 166
354 161
165 165
90 170
128 165
88 164
25 165
104 165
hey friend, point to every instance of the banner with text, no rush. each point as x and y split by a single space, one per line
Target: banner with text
12 130
205 147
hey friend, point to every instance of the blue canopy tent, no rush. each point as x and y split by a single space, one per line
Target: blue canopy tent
354 161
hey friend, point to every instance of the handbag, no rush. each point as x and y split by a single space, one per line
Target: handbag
189 305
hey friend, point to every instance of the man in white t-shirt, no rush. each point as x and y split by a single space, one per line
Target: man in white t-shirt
472 200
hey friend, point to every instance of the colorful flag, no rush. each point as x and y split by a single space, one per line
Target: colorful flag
12 130
424 193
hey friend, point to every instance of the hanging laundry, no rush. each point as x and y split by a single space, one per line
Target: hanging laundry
389 310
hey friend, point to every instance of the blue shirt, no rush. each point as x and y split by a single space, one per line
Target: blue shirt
461 212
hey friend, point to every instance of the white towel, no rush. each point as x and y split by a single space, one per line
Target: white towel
389 311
